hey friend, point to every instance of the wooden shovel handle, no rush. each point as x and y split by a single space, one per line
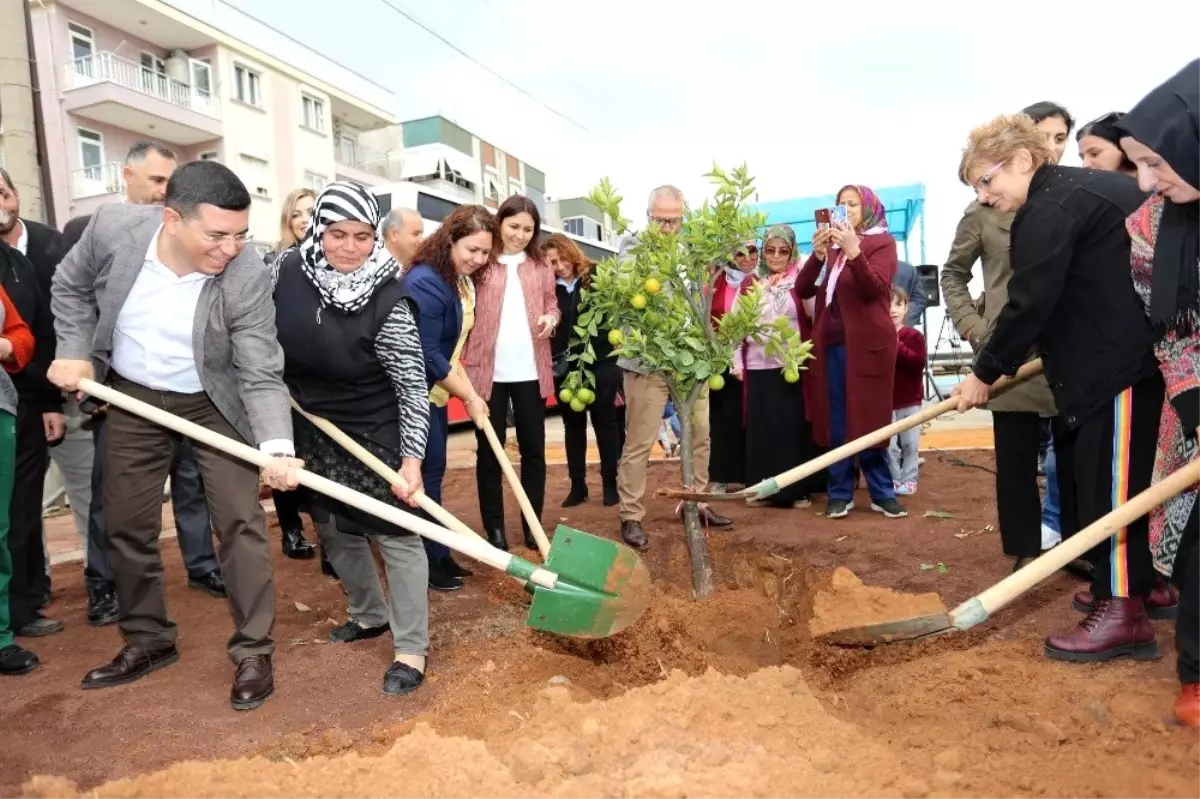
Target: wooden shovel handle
472 546
977 609
386 472
851 448
514 482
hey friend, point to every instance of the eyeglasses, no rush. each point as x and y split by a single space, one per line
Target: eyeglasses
777 250
667 221
1107 119
985 179
221 238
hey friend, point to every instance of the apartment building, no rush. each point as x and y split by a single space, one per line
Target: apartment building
114 72
580 217
436 152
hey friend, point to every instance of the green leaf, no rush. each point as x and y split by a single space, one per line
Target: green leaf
938 514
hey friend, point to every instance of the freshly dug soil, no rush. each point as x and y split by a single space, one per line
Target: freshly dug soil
763 735
980 713
847 603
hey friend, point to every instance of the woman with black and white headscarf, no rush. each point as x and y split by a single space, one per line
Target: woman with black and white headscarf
352 354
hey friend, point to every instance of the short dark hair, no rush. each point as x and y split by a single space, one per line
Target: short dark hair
205 183
138 151
1046 109
8 180
518 204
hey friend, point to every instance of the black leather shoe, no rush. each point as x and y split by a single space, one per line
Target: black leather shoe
454 568
102 605
530 541
253 682
15 660
633 534
213 583
296 546
352 631
40 627
611 497
440 578
577 496
710 518
401 679
132 663
497 539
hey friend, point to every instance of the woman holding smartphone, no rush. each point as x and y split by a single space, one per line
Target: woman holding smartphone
850 274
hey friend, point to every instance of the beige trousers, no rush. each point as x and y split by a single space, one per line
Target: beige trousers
645 398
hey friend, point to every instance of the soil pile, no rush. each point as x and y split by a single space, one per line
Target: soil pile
848 603
712 735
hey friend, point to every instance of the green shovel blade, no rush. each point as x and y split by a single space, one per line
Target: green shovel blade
603 587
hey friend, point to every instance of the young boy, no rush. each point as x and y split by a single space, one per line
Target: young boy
907 395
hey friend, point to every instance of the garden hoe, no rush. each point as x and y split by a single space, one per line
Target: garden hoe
590 587
978 609
773 485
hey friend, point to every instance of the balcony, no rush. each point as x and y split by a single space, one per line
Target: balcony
109 89
102 180
360 164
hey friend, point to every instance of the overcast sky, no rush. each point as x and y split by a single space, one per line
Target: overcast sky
864 92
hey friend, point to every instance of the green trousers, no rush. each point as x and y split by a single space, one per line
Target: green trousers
8 457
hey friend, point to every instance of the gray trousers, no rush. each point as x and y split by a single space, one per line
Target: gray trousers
904 449
73 457
407 570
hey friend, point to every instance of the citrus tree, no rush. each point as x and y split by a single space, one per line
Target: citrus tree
656 303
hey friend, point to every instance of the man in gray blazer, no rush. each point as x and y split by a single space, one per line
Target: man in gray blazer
167 306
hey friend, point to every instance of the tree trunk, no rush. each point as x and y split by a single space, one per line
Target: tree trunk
697 544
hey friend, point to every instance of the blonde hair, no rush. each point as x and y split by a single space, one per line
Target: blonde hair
1001 139
286 237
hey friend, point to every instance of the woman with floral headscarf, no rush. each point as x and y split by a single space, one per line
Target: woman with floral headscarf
778 435
854 343
1160 137
726 411
352 354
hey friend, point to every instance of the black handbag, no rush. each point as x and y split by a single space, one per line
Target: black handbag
560 365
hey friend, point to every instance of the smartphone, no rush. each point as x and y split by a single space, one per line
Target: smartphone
839 214
821 216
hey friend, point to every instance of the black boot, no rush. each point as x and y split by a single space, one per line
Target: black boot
454 568
611 497
296 546
530 541
577 496
497 538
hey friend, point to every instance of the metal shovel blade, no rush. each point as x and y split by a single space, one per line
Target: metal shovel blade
891 632
603 587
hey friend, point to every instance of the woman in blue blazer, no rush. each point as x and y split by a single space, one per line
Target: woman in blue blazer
442 285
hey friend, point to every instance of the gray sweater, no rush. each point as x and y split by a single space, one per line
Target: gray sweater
8 392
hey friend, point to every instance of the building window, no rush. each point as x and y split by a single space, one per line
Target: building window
514 188
574 226
247 85
493 192
253 172
314 113
91 153
314 182
347 150
83 47
154 75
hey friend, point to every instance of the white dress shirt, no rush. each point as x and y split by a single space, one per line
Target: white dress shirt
23 240
515 361
152 339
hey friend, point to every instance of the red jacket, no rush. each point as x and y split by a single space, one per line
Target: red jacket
18 334
910 368
864 297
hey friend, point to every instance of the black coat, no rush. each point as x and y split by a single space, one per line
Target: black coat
1071 292
24 283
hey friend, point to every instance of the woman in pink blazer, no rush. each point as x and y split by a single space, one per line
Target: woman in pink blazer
507 358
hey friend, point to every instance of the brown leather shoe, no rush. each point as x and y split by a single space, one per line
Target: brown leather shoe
710 518
132 663
1162 603
1115 627
633 534
1187 706
253 682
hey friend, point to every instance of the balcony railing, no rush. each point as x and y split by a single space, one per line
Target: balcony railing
110 68
353 154
98 180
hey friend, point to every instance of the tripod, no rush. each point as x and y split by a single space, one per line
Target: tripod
955 362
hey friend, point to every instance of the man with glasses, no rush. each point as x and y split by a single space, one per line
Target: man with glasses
148 167
168 306
645 398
